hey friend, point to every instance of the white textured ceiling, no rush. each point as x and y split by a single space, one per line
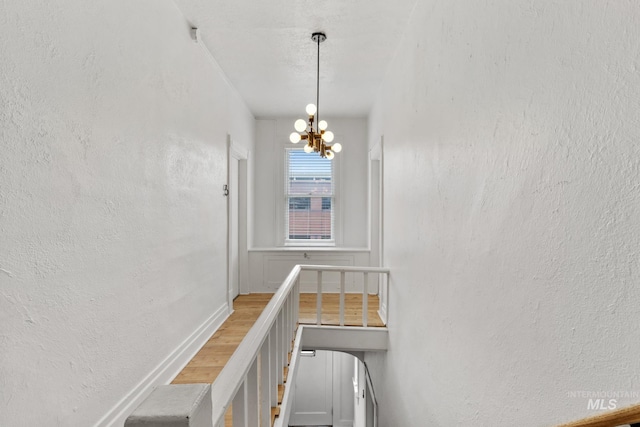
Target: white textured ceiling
266 51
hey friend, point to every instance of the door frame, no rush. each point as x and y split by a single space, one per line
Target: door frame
376 159
241 154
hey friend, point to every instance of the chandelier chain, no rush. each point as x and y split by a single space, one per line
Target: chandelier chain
318 84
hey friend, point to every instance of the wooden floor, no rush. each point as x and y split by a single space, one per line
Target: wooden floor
209 361
331 310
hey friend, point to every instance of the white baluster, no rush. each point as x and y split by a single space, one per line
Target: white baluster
388 298
265 398
283 347
296 305
365 300
240 406
342 291
278 361
289 327
252 392
273 366
319 300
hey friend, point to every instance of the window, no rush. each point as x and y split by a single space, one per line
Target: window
326 203
309 193
299 203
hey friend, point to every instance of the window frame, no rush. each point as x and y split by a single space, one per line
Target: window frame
284 206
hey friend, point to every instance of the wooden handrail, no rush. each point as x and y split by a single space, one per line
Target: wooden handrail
618 417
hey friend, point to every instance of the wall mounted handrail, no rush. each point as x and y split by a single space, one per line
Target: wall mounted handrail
372 393
619 417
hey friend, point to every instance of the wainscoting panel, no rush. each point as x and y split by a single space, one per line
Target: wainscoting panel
268 268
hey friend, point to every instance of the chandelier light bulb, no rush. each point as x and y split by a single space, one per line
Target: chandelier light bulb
311 109
308 148
300 125
329 154
328 136
294 137
322 125
336 148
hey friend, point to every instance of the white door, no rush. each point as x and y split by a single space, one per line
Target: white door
376 200
313 396
237 217
234 265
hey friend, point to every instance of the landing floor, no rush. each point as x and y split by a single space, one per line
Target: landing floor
209 361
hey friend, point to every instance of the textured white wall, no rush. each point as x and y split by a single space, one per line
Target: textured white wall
271 138
512 206
113 128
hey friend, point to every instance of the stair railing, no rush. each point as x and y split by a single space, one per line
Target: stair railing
249 381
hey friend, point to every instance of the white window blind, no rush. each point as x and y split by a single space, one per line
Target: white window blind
309 194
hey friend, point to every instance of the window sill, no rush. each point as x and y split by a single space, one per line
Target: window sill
308 249
310 244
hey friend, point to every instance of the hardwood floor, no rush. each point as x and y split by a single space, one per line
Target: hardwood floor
209 361
331 310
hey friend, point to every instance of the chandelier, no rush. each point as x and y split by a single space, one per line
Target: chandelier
317 139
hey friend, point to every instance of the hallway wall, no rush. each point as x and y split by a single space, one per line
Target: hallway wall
512 198
113 128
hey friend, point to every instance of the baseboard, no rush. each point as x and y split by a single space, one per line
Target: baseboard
165 371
